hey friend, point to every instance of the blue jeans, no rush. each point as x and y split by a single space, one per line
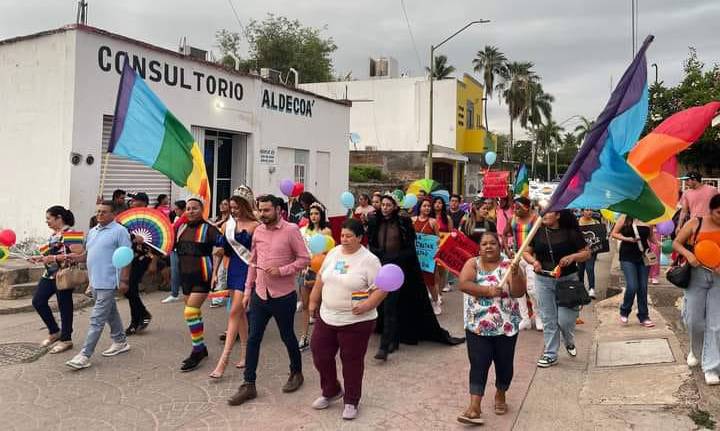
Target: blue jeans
636 284
702 317
588 267
104 311
556 320
174 275
45 290
259 314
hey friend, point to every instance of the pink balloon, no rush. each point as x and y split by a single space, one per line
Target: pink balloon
286 187
666 227
7 238
389 278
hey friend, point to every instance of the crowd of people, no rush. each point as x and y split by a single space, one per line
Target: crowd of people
255 254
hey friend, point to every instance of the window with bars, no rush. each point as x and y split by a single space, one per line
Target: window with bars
300 167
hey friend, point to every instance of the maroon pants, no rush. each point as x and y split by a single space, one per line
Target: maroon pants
352 340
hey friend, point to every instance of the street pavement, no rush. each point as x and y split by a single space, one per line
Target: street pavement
420 387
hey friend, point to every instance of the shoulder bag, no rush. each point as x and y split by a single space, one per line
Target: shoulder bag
568 293
680 270
71 276
649 256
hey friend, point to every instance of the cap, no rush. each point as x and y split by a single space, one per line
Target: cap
694 175
140 196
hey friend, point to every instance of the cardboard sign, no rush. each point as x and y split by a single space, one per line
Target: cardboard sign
426 247
596 237
495 184
455 250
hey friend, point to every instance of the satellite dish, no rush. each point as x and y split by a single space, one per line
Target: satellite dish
354 139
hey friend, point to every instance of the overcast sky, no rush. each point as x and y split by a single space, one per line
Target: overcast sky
578 46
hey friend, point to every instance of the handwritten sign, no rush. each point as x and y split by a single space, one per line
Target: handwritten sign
596 237
455 250
426 247
495 184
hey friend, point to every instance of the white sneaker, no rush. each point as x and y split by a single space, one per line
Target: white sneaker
440 299
170 299
525 324
322 403
591 293
311 320
216 302
538 323
692 361
350 412
298 307
447 288
436 309
116 349
712 378
79 362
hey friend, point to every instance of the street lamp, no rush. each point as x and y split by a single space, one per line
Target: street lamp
428 166
656 72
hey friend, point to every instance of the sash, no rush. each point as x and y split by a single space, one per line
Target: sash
240 250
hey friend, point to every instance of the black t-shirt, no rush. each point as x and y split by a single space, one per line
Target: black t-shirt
630 251
564 242
456 218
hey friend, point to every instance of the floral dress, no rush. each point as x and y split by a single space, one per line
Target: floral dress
491 316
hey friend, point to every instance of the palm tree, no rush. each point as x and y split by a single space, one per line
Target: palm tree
491 63
441 70
549 134
514 89
583 129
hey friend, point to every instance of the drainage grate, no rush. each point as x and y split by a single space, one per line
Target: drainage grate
17 353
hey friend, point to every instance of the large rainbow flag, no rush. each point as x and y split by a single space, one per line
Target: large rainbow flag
600 176
522 182
145 131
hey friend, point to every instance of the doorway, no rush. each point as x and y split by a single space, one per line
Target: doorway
443 174
218 163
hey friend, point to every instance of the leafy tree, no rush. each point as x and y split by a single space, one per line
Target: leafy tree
492 63
229 44
514 90
583 128
441 70
548 138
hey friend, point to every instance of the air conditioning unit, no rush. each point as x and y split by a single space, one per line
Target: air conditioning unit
271 75
370 148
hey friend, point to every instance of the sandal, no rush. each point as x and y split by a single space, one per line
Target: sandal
470 418
220 368
50 340
241 362
61 347
501 408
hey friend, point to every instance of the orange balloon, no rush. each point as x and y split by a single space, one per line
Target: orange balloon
708 253
316 262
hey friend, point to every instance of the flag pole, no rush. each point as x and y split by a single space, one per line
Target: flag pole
522 248
103 171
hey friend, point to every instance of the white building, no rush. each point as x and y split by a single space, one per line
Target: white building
389 122
58 96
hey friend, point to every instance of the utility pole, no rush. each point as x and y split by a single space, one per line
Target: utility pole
82 12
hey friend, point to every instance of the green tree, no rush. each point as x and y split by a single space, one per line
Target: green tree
583 128
280 43
441 70
568 151
514 91
548 138
491 63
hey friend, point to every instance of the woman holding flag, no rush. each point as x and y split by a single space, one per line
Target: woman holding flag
236 243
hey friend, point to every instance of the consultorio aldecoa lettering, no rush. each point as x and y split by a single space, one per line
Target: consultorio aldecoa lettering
287 103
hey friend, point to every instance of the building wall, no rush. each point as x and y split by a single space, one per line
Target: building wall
37 86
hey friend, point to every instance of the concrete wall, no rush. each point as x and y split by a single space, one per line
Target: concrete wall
36 113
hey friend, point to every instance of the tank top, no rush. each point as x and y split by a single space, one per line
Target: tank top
442 224
521 230
423 227
710 235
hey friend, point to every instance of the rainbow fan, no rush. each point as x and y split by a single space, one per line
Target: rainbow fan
151 225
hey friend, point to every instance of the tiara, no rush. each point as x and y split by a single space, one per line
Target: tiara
317 205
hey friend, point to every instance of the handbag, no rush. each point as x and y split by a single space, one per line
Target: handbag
680 270
649 256
568 293
71 276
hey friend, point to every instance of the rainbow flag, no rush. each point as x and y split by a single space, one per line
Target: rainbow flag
654 156
73 237
145 131
600 176
522 182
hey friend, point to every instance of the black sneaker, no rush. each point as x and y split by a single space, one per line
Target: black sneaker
546 361
193 360
131 330
145 323
572 351
381 355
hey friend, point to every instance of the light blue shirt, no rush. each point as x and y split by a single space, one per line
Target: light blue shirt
101 243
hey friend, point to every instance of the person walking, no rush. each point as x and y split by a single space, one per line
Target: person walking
278 254
587 268
62 242
492 319
424 223
364 209
515 234
702 297
695 199
236 243
455 212
635 237
445 225
504 214
102 241
558 246
347 299
477 222
178 218
140 317
162 204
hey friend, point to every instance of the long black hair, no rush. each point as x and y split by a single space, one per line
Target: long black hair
65 214
323 218
443 211
567 220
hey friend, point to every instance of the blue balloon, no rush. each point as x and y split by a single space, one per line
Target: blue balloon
317 244
490 158
664 259
347 200
410 201
122 257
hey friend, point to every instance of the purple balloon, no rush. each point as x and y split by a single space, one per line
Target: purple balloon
389 278
286 187
666 227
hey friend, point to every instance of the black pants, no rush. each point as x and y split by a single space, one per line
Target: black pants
45 290
391 321
483 351
138 312
282 309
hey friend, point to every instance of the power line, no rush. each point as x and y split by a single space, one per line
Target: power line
237 17
412 37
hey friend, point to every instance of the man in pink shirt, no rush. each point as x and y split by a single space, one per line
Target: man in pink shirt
696 199
278 253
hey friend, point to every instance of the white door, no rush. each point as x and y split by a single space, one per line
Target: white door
322 176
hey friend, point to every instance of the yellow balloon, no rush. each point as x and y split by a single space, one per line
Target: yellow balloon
329 243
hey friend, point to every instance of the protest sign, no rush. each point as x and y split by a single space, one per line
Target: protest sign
495 184
455 250
426 247
596 237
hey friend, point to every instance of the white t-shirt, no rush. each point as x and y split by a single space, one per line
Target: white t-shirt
347 280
